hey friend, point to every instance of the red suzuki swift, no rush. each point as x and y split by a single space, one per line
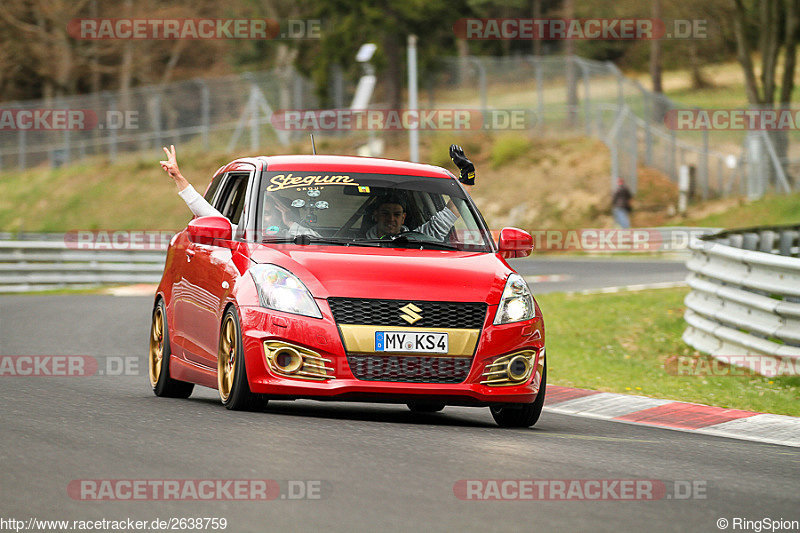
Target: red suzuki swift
348 278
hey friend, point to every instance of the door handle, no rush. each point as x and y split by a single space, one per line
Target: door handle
189 255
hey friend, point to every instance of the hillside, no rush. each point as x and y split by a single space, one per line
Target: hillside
531 183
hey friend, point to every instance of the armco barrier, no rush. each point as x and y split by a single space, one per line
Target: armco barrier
745 297
46 261
34 265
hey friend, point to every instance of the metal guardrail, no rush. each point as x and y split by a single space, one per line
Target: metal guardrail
38 265
745 298
46 261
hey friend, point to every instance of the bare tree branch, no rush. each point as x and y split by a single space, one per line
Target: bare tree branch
743 54
790 44
770 30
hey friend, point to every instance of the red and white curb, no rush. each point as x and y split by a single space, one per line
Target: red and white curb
547 278
632 288
139 289
680 416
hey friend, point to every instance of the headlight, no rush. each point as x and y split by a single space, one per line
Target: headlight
279 289
516 303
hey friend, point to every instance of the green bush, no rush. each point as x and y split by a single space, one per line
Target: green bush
508 148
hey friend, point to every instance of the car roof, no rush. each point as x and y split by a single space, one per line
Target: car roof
346 163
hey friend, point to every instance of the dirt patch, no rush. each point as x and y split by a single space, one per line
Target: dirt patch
713 207
656 198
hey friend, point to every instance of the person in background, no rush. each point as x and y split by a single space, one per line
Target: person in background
621 205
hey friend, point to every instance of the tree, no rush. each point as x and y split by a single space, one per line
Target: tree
42 24
655 52
776 25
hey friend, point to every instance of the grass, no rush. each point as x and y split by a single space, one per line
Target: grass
130 193
772 209
532 182
97 289
622 342
553 175
508 148
96 194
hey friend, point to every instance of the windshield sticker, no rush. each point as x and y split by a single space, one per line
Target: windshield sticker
288 181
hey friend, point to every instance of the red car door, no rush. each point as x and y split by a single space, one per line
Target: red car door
189 298
215 276
210 276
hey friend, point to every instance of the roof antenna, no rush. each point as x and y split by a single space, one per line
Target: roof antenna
313 148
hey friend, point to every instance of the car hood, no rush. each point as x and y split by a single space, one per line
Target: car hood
391 273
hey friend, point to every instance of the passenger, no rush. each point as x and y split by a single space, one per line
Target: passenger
274 215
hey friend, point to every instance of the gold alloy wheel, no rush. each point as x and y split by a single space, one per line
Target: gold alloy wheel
156 358
227 359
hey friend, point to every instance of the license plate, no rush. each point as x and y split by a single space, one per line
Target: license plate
410 342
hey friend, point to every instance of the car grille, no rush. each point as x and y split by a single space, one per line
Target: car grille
388 313
409 369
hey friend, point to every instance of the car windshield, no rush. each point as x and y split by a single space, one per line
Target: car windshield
357 209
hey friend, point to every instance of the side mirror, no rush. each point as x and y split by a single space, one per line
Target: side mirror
205 230
514 242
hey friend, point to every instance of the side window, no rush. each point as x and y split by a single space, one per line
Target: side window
209 195
230 200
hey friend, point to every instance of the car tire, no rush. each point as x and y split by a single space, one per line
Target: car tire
232 384
159 357
525 416
425 407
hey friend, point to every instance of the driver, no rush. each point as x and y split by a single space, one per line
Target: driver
391 211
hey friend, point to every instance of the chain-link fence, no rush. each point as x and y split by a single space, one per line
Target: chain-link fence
566 95
217 113
572 95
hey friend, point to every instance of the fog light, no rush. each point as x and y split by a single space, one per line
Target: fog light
510 369
518 368
296 362
287 359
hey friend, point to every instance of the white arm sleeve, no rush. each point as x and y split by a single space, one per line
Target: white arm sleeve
296 229
199 206
439 224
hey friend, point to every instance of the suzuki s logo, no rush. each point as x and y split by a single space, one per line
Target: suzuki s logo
410 313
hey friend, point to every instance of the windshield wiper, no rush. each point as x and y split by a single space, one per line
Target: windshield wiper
403 239
305 239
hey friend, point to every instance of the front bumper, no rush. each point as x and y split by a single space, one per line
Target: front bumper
324 337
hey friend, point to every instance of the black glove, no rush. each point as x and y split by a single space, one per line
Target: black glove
464 165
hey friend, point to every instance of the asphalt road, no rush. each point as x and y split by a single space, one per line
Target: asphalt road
593 273
379 467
